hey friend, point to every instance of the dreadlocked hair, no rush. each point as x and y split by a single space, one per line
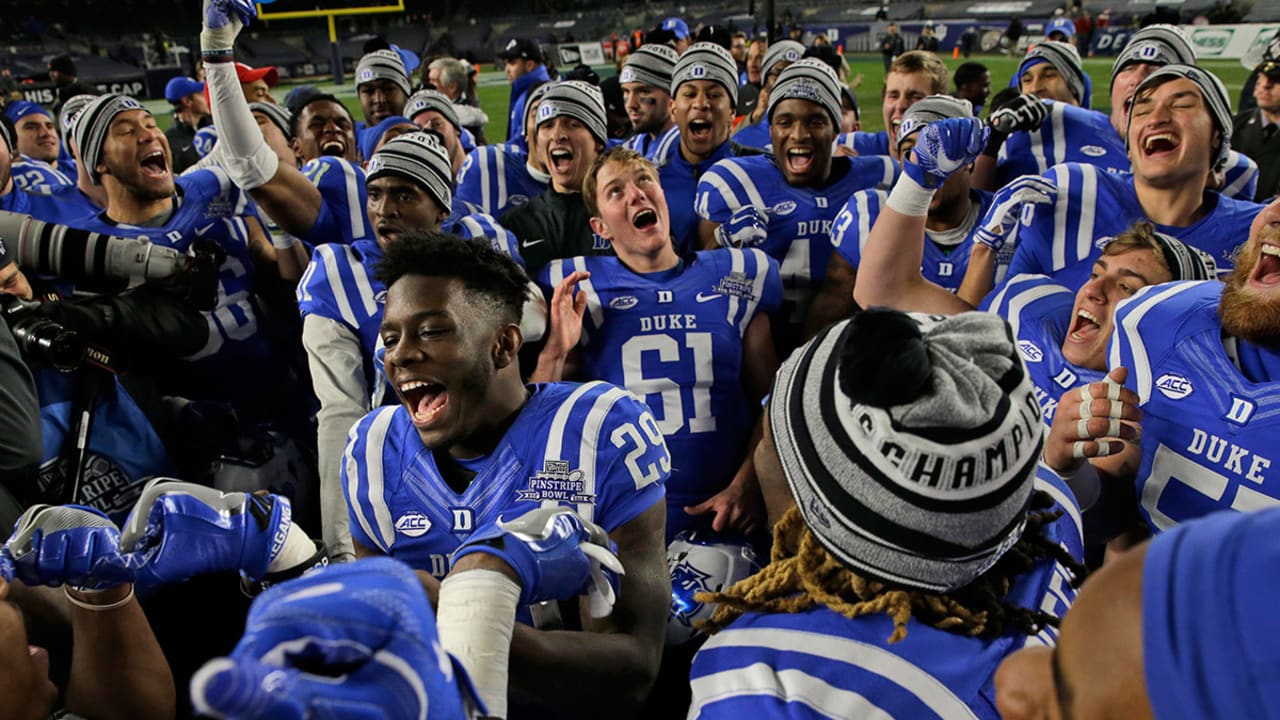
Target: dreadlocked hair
801 574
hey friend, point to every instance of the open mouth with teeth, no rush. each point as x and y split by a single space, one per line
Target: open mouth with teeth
1085 326
333 148
154 164
1160 143
700 129
561 159
424 400
1266 273
799 160
388 232
646 218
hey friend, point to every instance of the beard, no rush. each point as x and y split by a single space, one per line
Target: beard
1247 313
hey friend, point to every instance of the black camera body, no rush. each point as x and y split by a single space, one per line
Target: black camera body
42 341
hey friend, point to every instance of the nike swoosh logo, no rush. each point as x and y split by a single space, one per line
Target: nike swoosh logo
531 243
205 229
185 148
706 297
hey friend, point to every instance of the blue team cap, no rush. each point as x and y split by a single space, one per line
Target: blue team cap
1062 25
1209 624
370 136
181 87
677 27
15 111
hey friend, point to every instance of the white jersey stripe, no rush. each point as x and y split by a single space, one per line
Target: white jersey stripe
361 276
328 254
1057 113
737 262
594 305
928 690
500 168
748 185
486 190
720 186
1036 138
1088 199
1023 299
788 686
1234 160
862 202
379 528
1141 370
592 428
357 211
1061 210
757 289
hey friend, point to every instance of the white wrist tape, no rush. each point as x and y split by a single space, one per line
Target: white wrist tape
245 155
475 621
907 196
282 240
218 39
298 548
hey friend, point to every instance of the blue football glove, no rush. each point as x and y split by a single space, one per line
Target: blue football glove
1006 208
747 227
557 555
223 21
944 147
178 530
6 567
71 544
355 641
1022 114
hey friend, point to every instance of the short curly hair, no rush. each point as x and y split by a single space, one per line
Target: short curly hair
484 272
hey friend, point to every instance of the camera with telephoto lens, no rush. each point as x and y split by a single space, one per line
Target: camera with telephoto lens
42 342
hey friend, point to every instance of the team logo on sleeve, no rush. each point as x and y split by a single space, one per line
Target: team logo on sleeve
413 524
1093 150
1173 386
736 284
1030 352
557 482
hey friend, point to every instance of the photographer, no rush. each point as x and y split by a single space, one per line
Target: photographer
19 430
98 443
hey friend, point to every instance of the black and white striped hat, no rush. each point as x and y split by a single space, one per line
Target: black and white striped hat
425 100
420 157
930 109
808 79
383 65
279 116
578 100
72 107
91 125
706 61
1066 60
652 65
1211 89
781 51
910 443
1158 44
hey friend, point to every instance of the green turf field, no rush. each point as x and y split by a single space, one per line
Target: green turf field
494 90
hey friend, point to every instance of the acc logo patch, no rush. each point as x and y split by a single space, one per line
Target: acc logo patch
515 200
1173 386
624 302
1093 151
1030 352
786 207
1103 241
413 524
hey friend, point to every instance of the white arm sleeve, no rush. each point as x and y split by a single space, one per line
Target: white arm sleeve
337 376
246 156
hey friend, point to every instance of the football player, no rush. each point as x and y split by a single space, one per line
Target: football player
470 443
646 90
689 336
785 203
754 131
496 178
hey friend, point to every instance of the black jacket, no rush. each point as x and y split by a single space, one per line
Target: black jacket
1247 139
552 225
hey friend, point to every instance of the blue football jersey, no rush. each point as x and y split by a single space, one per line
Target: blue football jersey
757 135
64 204
865 143
123 452
645 145
946 254
34 176
494 179
1240 177
1068 134
1039 313
592 447
679 179
674 339
1209 427
339 284
343 215
821 664
208 206
800 218
1062 239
